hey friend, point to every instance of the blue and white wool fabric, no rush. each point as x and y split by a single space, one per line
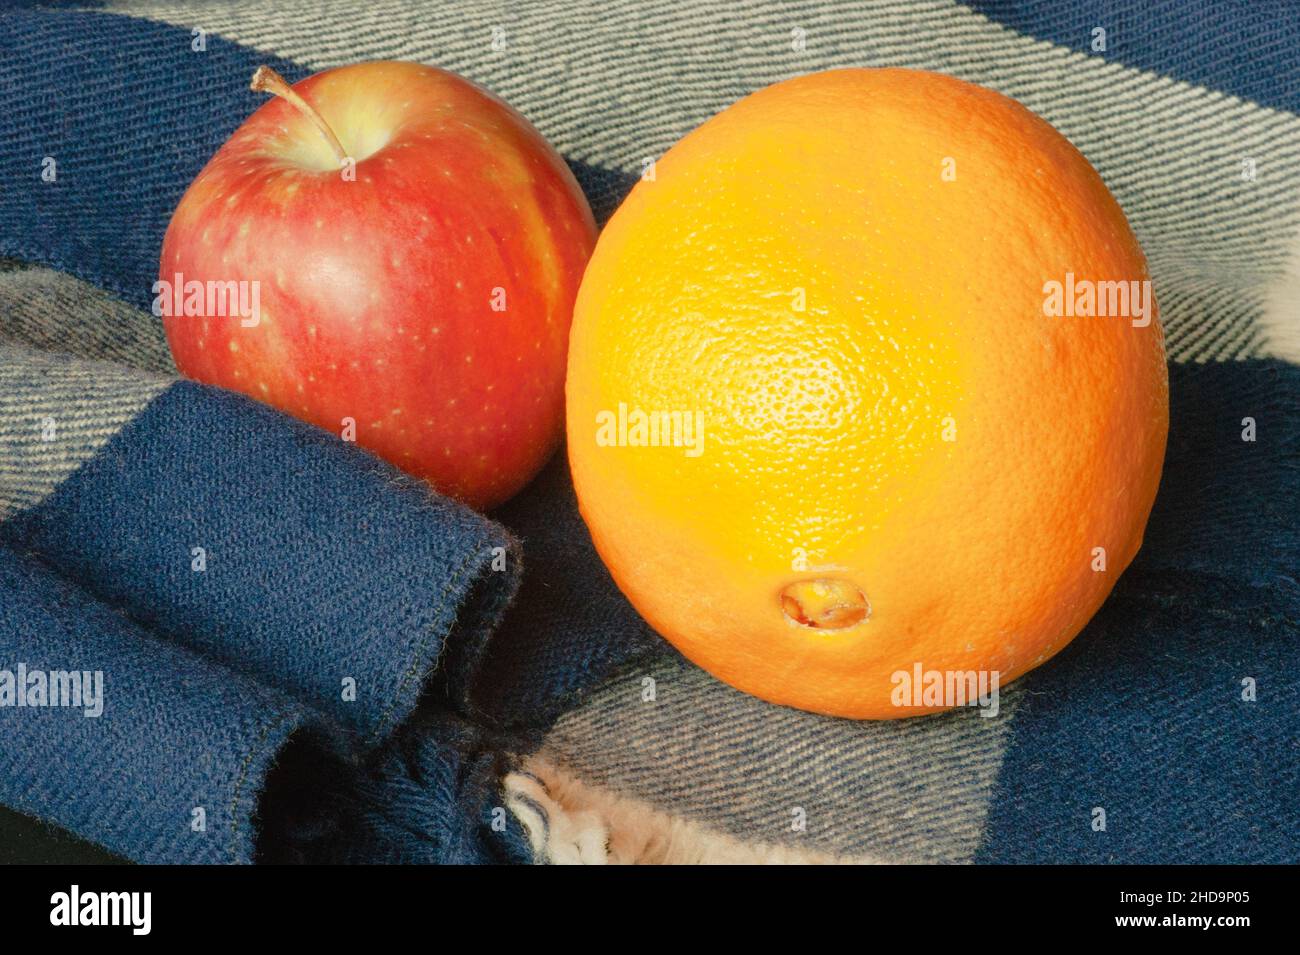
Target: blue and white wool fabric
299 654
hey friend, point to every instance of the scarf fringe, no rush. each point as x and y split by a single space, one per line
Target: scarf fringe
571 822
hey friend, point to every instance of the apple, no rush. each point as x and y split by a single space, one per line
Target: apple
391 253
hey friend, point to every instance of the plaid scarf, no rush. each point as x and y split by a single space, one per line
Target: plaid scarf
354 675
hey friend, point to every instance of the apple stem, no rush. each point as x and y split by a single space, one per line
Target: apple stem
267 80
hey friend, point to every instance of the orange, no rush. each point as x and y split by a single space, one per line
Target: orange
839 412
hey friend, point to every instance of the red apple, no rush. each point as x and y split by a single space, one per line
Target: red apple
410 248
